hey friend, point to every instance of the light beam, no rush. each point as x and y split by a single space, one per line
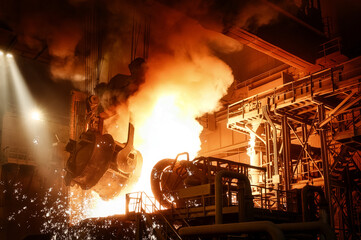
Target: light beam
25 103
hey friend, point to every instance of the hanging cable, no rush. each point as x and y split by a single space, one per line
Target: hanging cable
140 30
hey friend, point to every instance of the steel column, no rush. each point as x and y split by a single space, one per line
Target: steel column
268 151
324 154
349 202
286 152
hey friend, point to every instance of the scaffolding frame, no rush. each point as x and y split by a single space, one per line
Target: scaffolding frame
324 104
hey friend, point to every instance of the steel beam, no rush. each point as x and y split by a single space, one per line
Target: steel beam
286 152
325 165
340 108
261 45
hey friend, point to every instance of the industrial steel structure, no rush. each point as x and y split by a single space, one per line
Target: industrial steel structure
326 104
301 180
280 159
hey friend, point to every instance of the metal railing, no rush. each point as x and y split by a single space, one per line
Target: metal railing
272 199
263 197
18 155
140 202
349 120
312 85
329 47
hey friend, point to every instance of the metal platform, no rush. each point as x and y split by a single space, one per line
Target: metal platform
326 105
335 88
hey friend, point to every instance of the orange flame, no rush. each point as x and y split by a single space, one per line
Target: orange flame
184 80
165 125
251 148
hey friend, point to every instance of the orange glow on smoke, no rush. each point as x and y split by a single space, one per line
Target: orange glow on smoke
166 133
251 152
171 132
251 148
184 80
165 124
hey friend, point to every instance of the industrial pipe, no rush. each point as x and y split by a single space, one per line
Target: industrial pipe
325 162
247 202
246 227
318 226
305 193
275 151
321 225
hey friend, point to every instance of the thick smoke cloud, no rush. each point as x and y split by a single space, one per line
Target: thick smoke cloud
60 26
55 26
221 15
184 76
182 57
65 29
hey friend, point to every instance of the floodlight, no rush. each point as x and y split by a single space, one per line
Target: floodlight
36 115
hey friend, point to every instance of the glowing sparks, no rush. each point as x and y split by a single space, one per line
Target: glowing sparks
165 109
184 80
100 208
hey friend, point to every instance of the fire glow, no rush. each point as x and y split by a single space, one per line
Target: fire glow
165 134
184 81
165 126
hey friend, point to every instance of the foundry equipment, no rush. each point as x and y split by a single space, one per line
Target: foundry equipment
208 197
174 180
198 182
97 161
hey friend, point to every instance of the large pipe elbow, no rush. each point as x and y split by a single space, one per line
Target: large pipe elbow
246 227
318 226
242 178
